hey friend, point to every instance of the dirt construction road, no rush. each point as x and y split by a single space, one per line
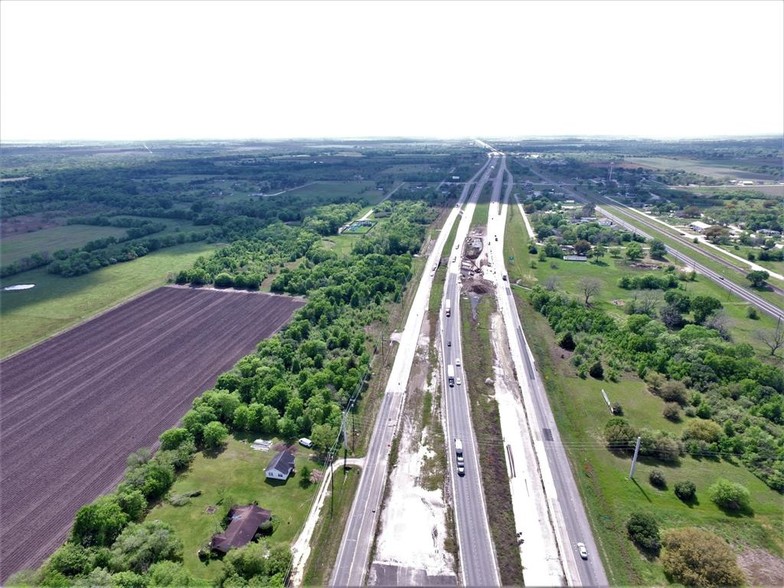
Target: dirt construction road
73 408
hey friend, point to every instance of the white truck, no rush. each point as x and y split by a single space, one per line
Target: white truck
450 375
448 307
460 458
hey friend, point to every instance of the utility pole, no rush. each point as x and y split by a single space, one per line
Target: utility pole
634 459
332 485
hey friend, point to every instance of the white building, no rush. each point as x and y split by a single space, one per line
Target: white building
699 226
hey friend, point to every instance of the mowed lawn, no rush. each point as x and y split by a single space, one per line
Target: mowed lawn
56 303
15 247
581 414
235 476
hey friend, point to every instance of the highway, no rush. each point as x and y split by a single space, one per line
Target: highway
568 515
353 558
477 557
765 306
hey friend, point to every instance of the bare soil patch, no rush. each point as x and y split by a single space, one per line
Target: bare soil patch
762 568
73 408
411 544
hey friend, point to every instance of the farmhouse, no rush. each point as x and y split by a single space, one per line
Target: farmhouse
698 226
245 523
280 467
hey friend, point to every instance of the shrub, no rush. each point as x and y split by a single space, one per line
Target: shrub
173 438
752 313
657 479
304 475
153 478
644 532
224 280
705 430
70 560
567 341
169 573
694 557
660 445
141 545
619 434
214 435
686 491
673 391
730 496
132 502
99 523
672 411
596 371
617 409
128 580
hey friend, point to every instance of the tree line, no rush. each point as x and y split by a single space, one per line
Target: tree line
297 383
685 353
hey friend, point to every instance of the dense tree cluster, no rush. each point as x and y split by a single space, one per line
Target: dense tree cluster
649 281
693 367
91 257
297 383
246 262
257 564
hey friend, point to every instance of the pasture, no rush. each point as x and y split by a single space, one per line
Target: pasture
73 408
57 303
15 247
315 193
705 168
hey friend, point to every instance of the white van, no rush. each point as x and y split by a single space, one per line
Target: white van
305 442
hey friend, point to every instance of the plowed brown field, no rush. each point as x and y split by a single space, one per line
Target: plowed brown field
73 408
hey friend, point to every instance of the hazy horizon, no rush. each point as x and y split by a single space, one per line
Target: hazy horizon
210 71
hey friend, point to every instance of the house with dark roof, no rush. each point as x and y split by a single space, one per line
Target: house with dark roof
243 527
280 467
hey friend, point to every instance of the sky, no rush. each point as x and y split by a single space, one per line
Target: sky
157 70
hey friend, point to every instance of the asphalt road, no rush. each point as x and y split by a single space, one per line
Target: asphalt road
567 511
743 293
477 557
353 558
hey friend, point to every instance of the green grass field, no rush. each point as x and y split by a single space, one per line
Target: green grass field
16 247
334 515
602 476
235 476
581 414
765 190
173 225
56 303
705 168
743 250
322 190
737 278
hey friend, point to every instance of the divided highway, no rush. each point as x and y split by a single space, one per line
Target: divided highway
765 306
568 515
477 557
353 558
